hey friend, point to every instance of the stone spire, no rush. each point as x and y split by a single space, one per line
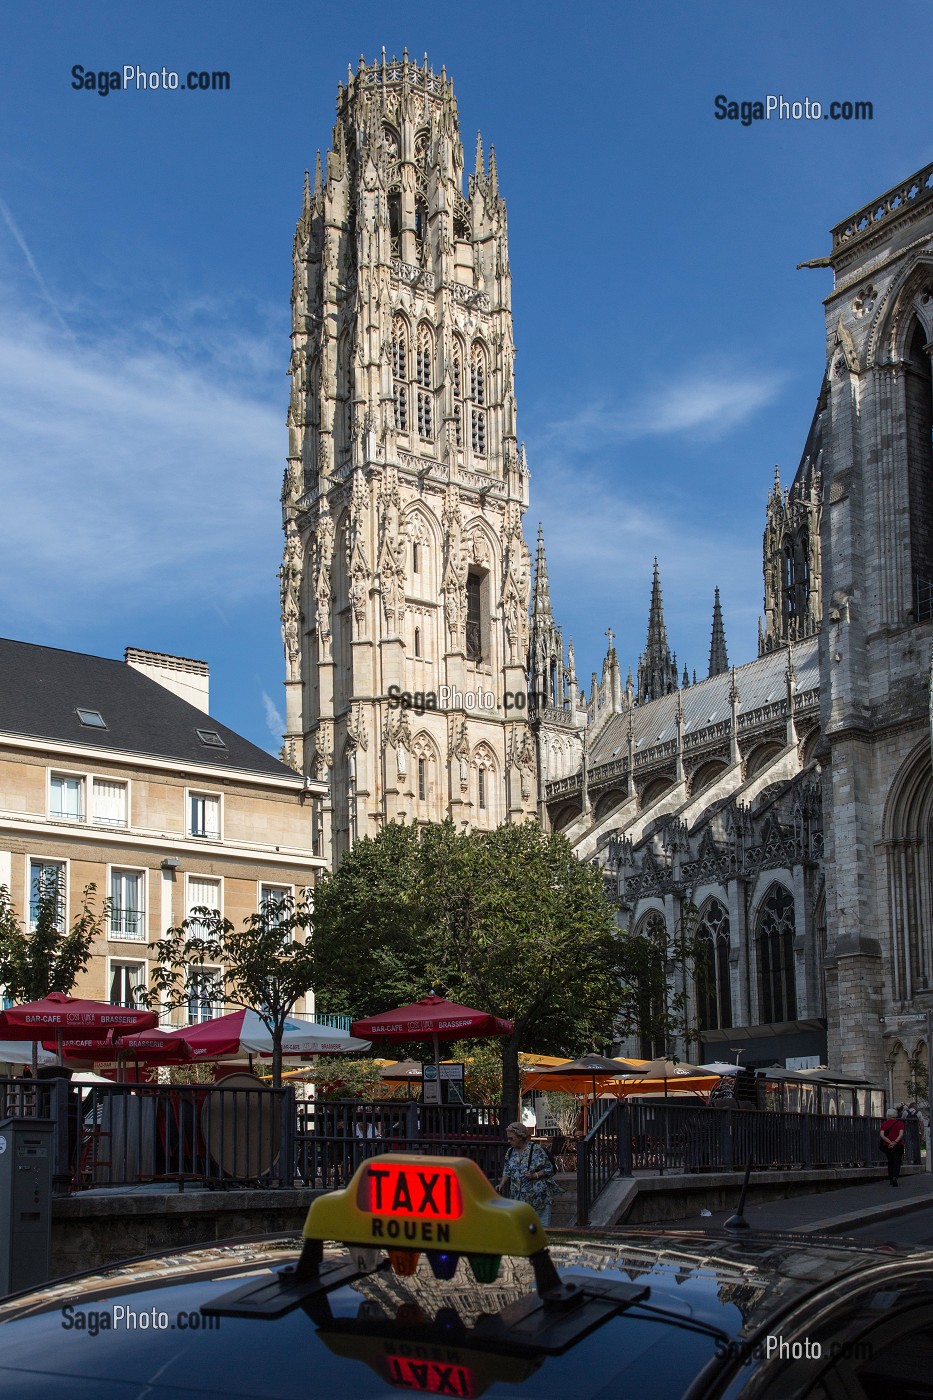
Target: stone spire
541 599
718 658
657 672
545 646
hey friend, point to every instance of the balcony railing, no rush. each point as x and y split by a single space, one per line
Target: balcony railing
129 924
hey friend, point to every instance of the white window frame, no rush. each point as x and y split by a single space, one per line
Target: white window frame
117 961
60 775
209 879
217 1006
193 795
119 935
280 891
64 864
105 821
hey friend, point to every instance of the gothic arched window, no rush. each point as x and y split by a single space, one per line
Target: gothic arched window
424 376
421 220
803 574
484 765
425 774
458 385
713 984
789 579
478 397
777 983
474 617
652 987
395 222
400 372
918 390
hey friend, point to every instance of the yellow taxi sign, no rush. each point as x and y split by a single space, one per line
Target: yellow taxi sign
404 1201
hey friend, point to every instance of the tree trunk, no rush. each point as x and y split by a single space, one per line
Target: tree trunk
511 1081
277 1034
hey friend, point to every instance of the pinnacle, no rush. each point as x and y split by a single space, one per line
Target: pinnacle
657 670
541 600
493 171
718 657
480 167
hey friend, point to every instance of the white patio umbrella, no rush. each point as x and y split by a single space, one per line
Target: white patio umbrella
243 1033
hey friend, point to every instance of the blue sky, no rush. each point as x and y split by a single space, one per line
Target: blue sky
669 351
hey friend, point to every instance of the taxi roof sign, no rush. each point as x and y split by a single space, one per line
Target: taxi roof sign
404 1201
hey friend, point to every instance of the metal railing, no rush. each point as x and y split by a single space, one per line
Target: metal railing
332 1018
689 1138
127 1134
601 1155
332 1138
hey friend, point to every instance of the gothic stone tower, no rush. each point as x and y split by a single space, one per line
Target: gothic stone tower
405 567
877 626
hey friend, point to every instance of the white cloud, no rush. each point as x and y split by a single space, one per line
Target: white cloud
133 475
274 721
706 403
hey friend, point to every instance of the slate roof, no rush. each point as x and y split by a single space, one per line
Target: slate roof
41 688
759 683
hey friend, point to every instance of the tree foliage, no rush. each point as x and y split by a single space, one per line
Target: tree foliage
266 966
40 955
508 921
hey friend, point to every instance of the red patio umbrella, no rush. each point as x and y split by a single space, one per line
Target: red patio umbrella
72 1018
432 1018
150 1047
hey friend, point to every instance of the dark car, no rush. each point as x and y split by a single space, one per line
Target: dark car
443 1288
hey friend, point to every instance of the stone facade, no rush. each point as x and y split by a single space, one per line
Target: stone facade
405 570
794 821
785 804
155 834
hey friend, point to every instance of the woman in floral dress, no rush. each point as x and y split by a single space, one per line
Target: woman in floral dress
528 1172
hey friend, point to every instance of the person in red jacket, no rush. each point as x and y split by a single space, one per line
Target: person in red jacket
892 1142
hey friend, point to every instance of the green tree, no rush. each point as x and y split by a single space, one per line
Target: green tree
40 955
265 966
508 921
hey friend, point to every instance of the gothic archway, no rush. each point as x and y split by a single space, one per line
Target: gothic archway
777 980
908 839
712 974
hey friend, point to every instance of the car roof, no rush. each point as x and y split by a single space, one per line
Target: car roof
381 1331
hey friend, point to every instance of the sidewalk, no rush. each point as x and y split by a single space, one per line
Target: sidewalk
837 1210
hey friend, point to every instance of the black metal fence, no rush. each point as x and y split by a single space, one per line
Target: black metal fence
660 1137
126 1134
332 1138
129 1134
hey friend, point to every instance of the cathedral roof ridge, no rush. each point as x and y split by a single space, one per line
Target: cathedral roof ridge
761 681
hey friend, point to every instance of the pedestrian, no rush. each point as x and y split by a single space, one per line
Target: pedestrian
892 1142
528 1172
